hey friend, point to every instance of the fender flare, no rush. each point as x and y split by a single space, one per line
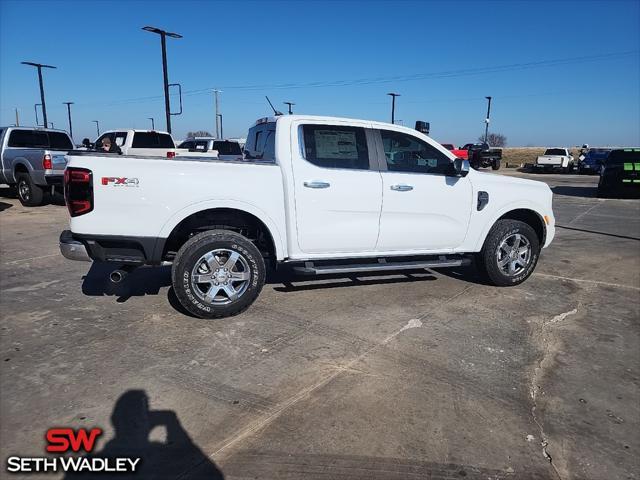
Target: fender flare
20 161
534 207
177 217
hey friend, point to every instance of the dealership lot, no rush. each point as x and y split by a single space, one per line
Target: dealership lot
414 375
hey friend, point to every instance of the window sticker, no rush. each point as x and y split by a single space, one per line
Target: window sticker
335 144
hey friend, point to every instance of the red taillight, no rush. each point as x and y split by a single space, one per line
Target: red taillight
78 190
46 162
171 154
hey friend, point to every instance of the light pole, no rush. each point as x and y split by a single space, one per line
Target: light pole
217 105
289 104
35 108
153 123
97 126
393 106
486 120
68 104
40 66
221 134
163 40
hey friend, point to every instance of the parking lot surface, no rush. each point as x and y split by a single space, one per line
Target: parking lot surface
416 375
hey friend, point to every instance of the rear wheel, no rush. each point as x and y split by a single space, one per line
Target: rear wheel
29 194
217 274
510 253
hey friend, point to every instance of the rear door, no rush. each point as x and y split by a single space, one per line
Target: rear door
337 186
424 206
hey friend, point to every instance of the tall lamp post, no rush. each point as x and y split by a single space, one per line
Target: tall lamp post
289 104
97 126
486 120
68 104
163 40
153 123
217 105
40 66
393 106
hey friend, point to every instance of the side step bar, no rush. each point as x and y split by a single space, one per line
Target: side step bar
442 261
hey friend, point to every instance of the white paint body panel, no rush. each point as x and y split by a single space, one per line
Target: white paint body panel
357 216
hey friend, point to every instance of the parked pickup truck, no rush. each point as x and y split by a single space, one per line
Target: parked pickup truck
481 155
458 152
556 158
140 142
32 159
224 149
322 195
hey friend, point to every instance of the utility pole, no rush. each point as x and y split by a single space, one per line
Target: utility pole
486 120
17 119
40 66
163 41
153 123
221 134
215 94
393 105
35 108
97 126
68 104
289 104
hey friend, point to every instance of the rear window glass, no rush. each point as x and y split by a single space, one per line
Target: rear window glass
227 148
261 142
618 157
152 140
40 139
555 151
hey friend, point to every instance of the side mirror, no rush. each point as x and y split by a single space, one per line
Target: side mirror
461 167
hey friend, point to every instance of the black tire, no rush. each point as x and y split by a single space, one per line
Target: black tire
29 194
487 259
192 295
495 165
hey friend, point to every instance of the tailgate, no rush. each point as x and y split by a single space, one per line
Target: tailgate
58 161
545 160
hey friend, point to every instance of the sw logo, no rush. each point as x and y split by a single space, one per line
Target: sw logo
120 181
65 440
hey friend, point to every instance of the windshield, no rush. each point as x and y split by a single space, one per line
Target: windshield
555 151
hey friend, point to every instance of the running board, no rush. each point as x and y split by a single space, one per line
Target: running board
382 265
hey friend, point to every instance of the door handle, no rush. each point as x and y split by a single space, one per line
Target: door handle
317 184
401 187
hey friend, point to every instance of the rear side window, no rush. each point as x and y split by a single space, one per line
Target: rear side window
261 142
332 146
152 140
28 139
227 148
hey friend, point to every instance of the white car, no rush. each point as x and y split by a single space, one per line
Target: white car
140 142
324 195
556 158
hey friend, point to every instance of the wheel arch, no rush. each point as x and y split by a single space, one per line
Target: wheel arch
250 222
524 214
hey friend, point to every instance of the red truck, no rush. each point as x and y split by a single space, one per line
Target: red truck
458 152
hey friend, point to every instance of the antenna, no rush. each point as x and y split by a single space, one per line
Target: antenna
276 112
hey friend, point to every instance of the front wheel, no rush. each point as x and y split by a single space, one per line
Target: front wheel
495 165
509 254
217 274
29 194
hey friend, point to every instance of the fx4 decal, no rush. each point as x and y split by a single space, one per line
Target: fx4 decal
120 181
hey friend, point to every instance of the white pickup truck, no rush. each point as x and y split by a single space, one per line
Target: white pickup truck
556 158
324 195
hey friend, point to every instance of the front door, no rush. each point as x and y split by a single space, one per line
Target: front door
338 189
425 207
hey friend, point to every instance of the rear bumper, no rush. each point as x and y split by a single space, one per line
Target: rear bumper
56 180
112 248
73 249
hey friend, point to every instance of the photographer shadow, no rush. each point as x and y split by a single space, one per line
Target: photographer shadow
176 457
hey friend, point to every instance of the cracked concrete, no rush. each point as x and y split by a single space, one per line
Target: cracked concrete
418 375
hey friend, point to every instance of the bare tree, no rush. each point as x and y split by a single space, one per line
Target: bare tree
494 139
199 133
